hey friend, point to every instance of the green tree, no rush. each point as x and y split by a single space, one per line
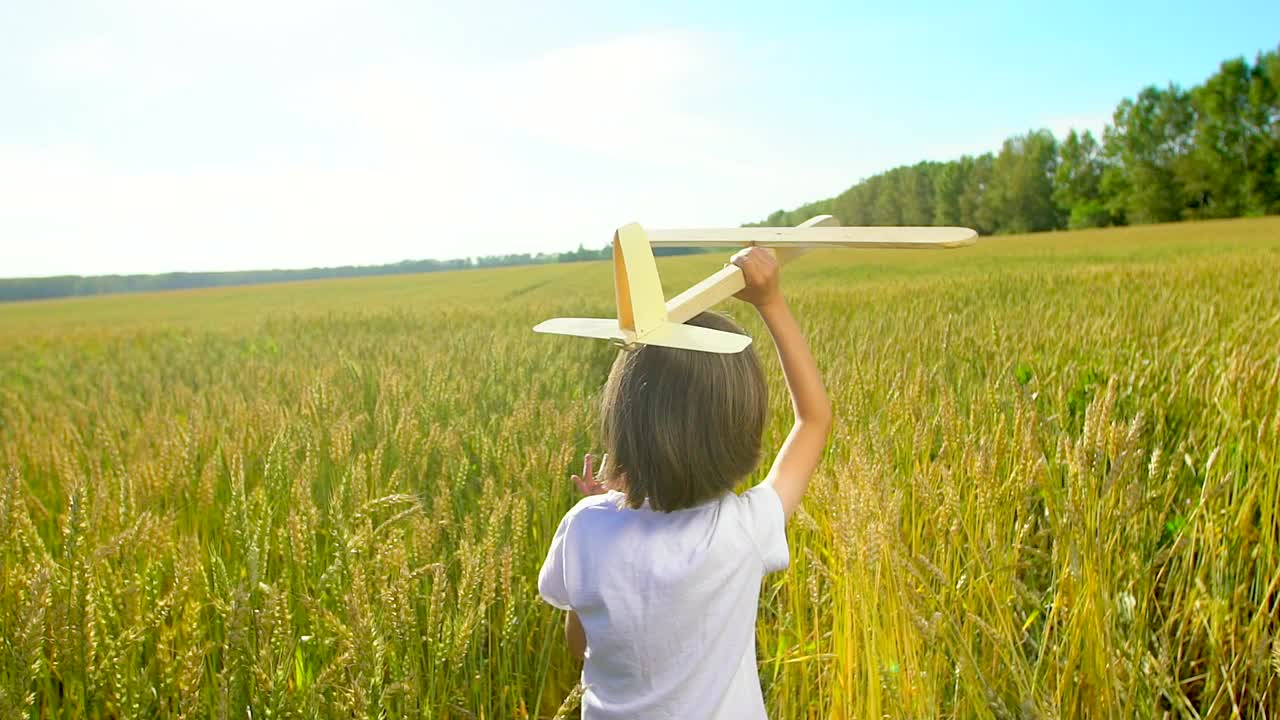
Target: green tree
1022 183
1215 176
1077 183
1264 98
977 208
777 219
1231 168
887 190
1265 95
948 185
1146 149
917 194
854 206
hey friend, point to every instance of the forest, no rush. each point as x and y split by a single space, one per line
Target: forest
1169 154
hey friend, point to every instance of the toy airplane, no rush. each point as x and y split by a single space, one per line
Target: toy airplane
645 318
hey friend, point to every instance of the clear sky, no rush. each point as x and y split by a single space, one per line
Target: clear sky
159 135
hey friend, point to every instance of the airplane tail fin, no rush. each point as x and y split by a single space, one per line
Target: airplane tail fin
641 306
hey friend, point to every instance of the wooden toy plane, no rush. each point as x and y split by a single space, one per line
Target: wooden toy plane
645 318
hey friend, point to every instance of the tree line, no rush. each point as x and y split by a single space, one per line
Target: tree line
41 288
1169 154
67 285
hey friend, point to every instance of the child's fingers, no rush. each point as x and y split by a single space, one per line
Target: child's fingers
586 482
748 260
768 262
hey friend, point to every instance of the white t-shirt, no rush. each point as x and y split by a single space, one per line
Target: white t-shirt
668 602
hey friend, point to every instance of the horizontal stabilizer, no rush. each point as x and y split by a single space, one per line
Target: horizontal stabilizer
816 237
693 337
684 337
604 329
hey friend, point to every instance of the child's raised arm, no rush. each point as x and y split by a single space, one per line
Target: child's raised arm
803 447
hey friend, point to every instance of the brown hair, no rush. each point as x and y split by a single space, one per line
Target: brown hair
682 426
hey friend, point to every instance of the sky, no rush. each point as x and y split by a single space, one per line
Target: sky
141 136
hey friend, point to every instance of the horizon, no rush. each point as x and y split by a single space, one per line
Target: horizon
160 138
472 260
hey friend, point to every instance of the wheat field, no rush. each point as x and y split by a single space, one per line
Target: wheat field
1053 490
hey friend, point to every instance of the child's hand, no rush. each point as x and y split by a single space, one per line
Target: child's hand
760 271
586 482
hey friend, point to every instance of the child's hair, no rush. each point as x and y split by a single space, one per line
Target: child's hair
682 426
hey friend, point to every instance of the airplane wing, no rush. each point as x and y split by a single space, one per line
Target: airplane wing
816 237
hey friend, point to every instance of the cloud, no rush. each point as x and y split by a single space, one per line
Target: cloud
81 61
433 159
67 212
196 141
625 97
632 98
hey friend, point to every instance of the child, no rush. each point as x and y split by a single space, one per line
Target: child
660 572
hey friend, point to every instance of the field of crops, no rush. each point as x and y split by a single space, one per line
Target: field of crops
1053 489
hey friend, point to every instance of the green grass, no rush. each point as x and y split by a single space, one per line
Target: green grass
1052 490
